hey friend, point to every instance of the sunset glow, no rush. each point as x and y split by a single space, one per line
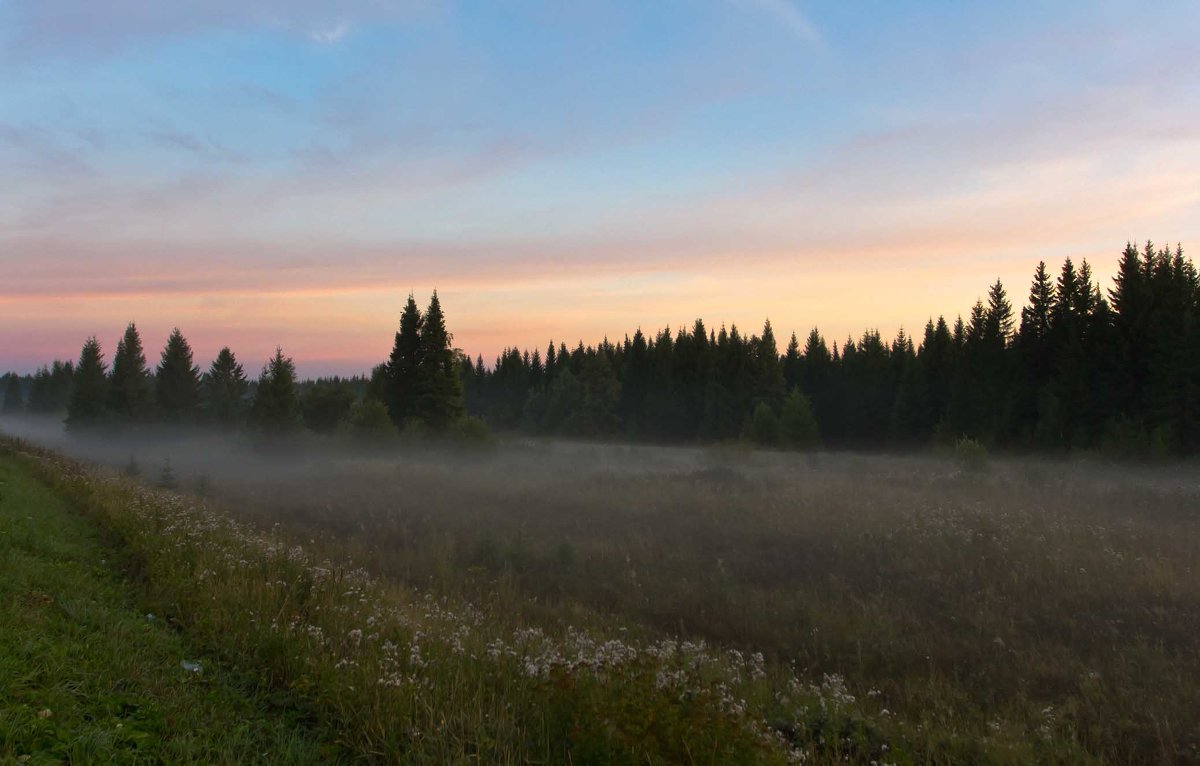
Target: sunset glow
268 172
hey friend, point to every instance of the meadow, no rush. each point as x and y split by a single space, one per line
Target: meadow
554 602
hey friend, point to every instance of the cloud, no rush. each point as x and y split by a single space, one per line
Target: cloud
331 34
81 28
787 14
203 148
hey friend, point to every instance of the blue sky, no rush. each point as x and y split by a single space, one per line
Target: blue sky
285 172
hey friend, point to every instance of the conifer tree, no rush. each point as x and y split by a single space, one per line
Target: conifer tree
1130 299
403 365
1035 351
938 360
439 397
769 384
129 385
635 380
89 389
792 363
276 407
224 387
13 399
177 380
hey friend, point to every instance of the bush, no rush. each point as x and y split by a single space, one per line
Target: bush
971 455
764 426
471 430
797 424
369 422
166 476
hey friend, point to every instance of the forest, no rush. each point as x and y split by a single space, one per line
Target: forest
1077 367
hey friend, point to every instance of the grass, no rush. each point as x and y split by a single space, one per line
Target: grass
402 676
1042 610
87 678
610 605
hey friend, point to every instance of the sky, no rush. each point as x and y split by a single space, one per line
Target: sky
286 172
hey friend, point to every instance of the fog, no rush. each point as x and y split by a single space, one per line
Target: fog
237 460
1007 581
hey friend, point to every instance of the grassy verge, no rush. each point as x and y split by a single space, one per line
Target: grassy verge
87 678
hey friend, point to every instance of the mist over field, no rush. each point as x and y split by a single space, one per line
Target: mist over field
1038 599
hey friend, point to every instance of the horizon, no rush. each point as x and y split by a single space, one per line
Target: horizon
268 173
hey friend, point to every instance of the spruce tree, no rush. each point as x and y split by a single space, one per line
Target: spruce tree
1035 351
13 399
792 363
769 383
635 381
177 380
129 387
224 386
439 397
403 365
89 389
276 407
937 359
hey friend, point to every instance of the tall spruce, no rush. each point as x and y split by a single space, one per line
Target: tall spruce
403 366
276 407
224 387
439 395
129 396
177 380
89 388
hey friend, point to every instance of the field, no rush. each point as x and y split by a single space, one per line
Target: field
558 601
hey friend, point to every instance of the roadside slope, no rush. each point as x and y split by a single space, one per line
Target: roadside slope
87 678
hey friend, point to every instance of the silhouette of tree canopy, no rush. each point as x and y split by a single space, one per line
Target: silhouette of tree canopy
1076 367
129 389
89 388
1072 369
276 407
177 380
223 388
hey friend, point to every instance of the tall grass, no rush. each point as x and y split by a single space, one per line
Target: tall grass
611 605
1040 609
402 675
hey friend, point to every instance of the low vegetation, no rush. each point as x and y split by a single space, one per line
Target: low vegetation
602 604
87 678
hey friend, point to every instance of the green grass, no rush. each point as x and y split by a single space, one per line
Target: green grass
85 677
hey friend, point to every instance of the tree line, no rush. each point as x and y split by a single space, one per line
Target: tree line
417 389
1077 367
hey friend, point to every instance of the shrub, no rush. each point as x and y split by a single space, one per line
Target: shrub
166 476
369 422
764 426
797 424
971 454
471 430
